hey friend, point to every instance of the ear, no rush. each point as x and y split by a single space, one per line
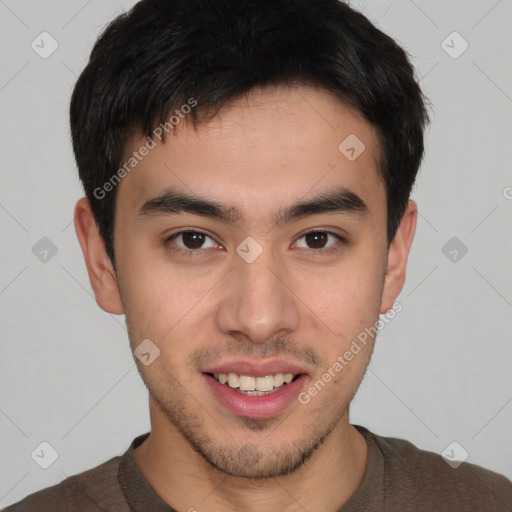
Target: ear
397 257
99 267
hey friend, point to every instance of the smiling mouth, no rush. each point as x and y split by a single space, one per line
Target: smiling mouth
255 386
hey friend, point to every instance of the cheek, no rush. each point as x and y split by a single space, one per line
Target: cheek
346 297
160 298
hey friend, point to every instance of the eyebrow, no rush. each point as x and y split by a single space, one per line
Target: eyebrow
173 202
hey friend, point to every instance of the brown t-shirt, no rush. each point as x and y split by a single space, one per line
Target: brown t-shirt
398 476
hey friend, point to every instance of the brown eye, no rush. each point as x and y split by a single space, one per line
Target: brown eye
193 239
316 240
191 242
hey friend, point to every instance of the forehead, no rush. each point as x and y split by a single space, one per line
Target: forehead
273 145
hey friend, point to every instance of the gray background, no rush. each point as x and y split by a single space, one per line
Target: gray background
441 369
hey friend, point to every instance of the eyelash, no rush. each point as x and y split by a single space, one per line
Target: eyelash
198 252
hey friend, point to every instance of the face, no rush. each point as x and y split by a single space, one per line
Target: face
242 286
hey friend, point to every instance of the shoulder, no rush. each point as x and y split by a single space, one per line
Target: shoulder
90 491
427 476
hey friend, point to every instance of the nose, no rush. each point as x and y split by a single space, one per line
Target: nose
258 300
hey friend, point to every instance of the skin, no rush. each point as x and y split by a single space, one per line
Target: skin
259 153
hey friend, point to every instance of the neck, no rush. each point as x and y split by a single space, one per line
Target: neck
181 477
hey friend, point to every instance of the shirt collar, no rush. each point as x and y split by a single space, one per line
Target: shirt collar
140 495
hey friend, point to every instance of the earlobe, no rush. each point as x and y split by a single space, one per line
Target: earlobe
397 257
99 267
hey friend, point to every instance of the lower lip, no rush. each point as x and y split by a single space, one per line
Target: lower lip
256 407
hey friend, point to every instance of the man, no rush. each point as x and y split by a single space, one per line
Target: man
248 166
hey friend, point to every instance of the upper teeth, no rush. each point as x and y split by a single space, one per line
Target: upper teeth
248 383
